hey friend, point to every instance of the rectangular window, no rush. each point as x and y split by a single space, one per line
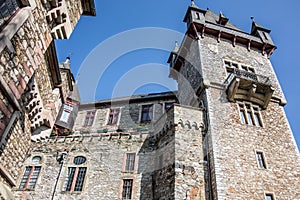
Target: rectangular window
66 113
250 114
80 179
113 116
30 177
127 189
147 112
89 118
248 69
260 160
269 197
75 179
130 162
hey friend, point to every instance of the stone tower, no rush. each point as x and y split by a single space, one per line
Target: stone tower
31 81
248 144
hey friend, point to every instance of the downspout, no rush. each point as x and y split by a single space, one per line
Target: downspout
61 162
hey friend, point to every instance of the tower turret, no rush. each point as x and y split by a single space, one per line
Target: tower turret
247 141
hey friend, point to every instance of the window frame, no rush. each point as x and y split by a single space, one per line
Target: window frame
167 106
261 161
71 183
147 112
250 114
89 118
121 195
269 194
230 66
29 177
126 162
115 116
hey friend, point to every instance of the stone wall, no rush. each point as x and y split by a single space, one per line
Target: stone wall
129 116
105 156
29 99
189 158
233 145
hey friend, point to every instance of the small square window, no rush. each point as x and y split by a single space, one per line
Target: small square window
168 105
269 197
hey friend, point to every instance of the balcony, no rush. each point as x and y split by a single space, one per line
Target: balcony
248 86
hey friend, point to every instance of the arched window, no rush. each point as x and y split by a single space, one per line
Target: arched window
79 160
36 160
31 174
76 175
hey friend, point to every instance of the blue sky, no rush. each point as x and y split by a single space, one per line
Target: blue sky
99 41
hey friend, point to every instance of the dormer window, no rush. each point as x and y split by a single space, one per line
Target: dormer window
222 19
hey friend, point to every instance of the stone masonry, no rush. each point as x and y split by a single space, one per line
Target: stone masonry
30 97
232 139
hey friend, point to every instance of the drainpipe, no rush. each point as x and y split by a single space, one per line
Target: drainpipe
60 160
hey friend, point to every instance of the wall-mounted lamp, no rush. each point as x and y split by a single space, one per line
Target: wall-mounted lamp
60 159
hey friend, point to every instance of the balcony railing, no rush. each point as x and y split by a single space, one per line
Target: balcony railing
7 9
248 86
248 76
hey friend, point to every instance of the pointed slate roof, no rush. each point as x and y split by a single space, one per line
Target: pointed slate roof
213 18
256 26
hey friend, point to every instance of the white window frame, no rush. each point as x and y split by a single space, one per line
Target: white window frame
251 113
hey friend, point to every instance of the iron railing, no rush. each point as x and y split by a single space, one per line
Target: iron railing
7 9
247 75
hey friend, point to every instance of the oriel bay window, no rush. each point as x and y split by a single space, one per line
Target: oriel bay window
75 176
31 174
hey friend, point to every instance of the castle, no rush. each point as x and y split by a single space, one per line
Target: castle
222 135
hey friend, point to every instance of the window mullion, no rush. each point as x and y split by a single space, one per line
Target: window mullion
29 177
74 179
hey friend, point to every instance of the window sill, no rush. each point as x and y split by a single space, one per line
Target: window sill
22 190
129 172
71 192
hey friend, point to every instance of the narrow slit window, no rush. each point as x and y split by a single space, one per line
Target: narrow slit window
261 160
